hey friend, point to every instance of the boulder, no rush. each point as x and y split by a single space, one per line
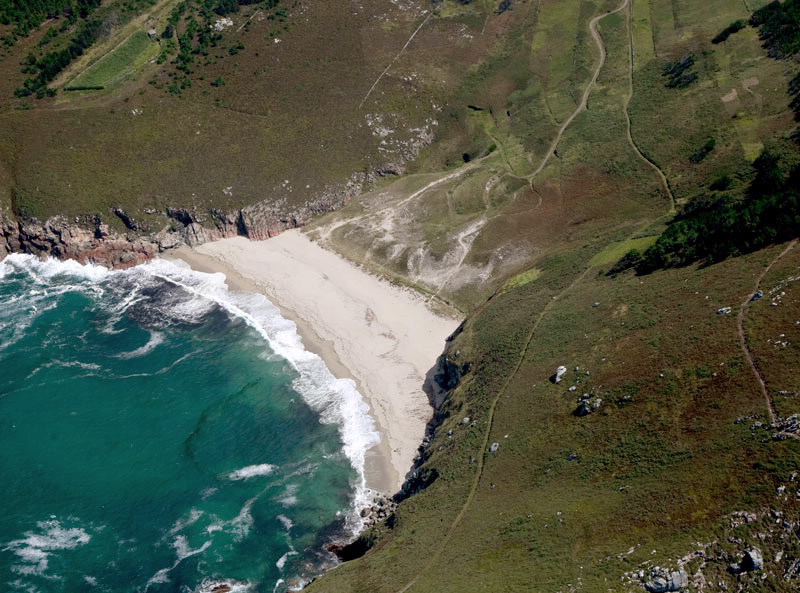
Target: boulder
494 447
560 372
583 409
587 406
663 581
753 560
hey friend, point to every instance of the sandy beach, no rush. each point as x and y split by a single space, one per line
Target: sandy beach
384 337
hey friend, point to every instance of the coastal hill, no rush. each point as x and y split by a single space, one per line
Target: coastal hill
606 190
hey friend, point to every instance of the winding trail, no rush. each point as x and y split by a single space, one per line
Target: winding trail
585 99
773 415
487 434
435 556
325 232
628 99
598 39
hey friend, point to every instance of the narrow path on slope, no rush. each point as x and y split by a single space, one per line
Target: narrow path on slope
326 231
434 558
490 422
472 231
585 99
773 416
582 106
628 100
402 49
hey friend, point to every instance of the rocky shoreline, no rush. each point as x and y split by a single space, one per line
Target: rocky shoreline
92 239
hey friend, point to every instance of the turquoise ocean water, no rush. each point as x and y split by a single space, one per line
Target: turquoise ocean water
159 433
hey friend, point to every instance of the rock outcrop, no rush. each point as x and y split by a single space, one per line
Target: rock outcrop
85 241
90 239
662 581
587 405
753 560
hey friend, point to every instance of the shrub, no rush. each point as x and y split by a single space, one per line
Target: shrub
734 27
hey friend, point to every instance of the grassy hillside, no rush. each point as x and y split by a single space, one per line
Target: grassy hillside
280 105
677 466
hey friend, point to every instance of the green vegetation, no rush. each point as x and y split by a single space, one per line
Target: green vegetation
679 72
193 22
26 15
125 58
54 62
704 151
734 27
779 25
522 279
615 251
713 228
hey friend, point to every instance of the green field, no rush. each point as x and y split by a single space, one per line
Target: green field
129 56
614 252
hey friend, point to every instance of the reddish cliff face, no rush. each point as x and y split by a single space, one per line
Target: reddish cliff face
64 240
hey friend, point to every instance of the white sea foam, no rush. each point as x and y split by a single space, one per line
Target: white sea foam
52 279
47 269
184 522
208 493
161 371
196 294
18 585
211 585
288 498
251 471
35 549
282 560
86 366
127 302
156 339
239 527
286 521
336 400
182 551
